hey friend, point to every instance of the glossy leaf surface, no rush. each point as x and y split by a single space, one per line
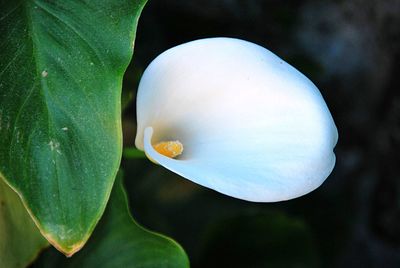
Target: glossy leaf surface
119 241
61 71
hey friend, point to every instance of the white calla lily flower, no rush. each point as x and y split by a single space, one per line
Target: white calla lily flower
232 116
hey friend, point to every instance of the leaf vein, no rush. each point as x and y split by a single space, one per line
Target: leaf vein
17 119
74 30
11 11
17 54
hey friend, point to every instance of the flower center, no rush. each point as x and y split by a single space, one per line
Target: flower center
169 148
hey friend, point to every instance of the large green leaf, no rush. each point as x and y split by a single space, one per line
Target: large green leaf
61 68
20 239
119 241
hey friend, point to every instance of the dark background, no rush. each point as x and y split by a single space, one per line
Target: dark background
350 50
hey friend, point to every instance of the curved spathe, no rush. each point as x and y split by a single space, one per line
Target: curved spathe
252 126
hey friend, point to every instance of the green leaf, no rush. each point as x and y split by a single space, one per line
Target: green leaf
119 241
61 71
133 153
20 239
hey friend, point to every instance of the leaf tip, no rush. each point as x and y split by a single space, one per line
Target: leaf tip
67 249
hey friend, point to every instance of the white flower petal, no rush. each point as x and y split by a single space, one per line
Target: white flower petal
252 126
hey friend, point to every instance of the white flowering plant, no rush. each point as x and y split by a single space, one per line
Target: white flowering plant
221 112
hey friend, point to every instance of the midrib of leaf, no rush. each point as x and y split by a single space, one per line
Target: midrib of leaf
48 102
42 90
